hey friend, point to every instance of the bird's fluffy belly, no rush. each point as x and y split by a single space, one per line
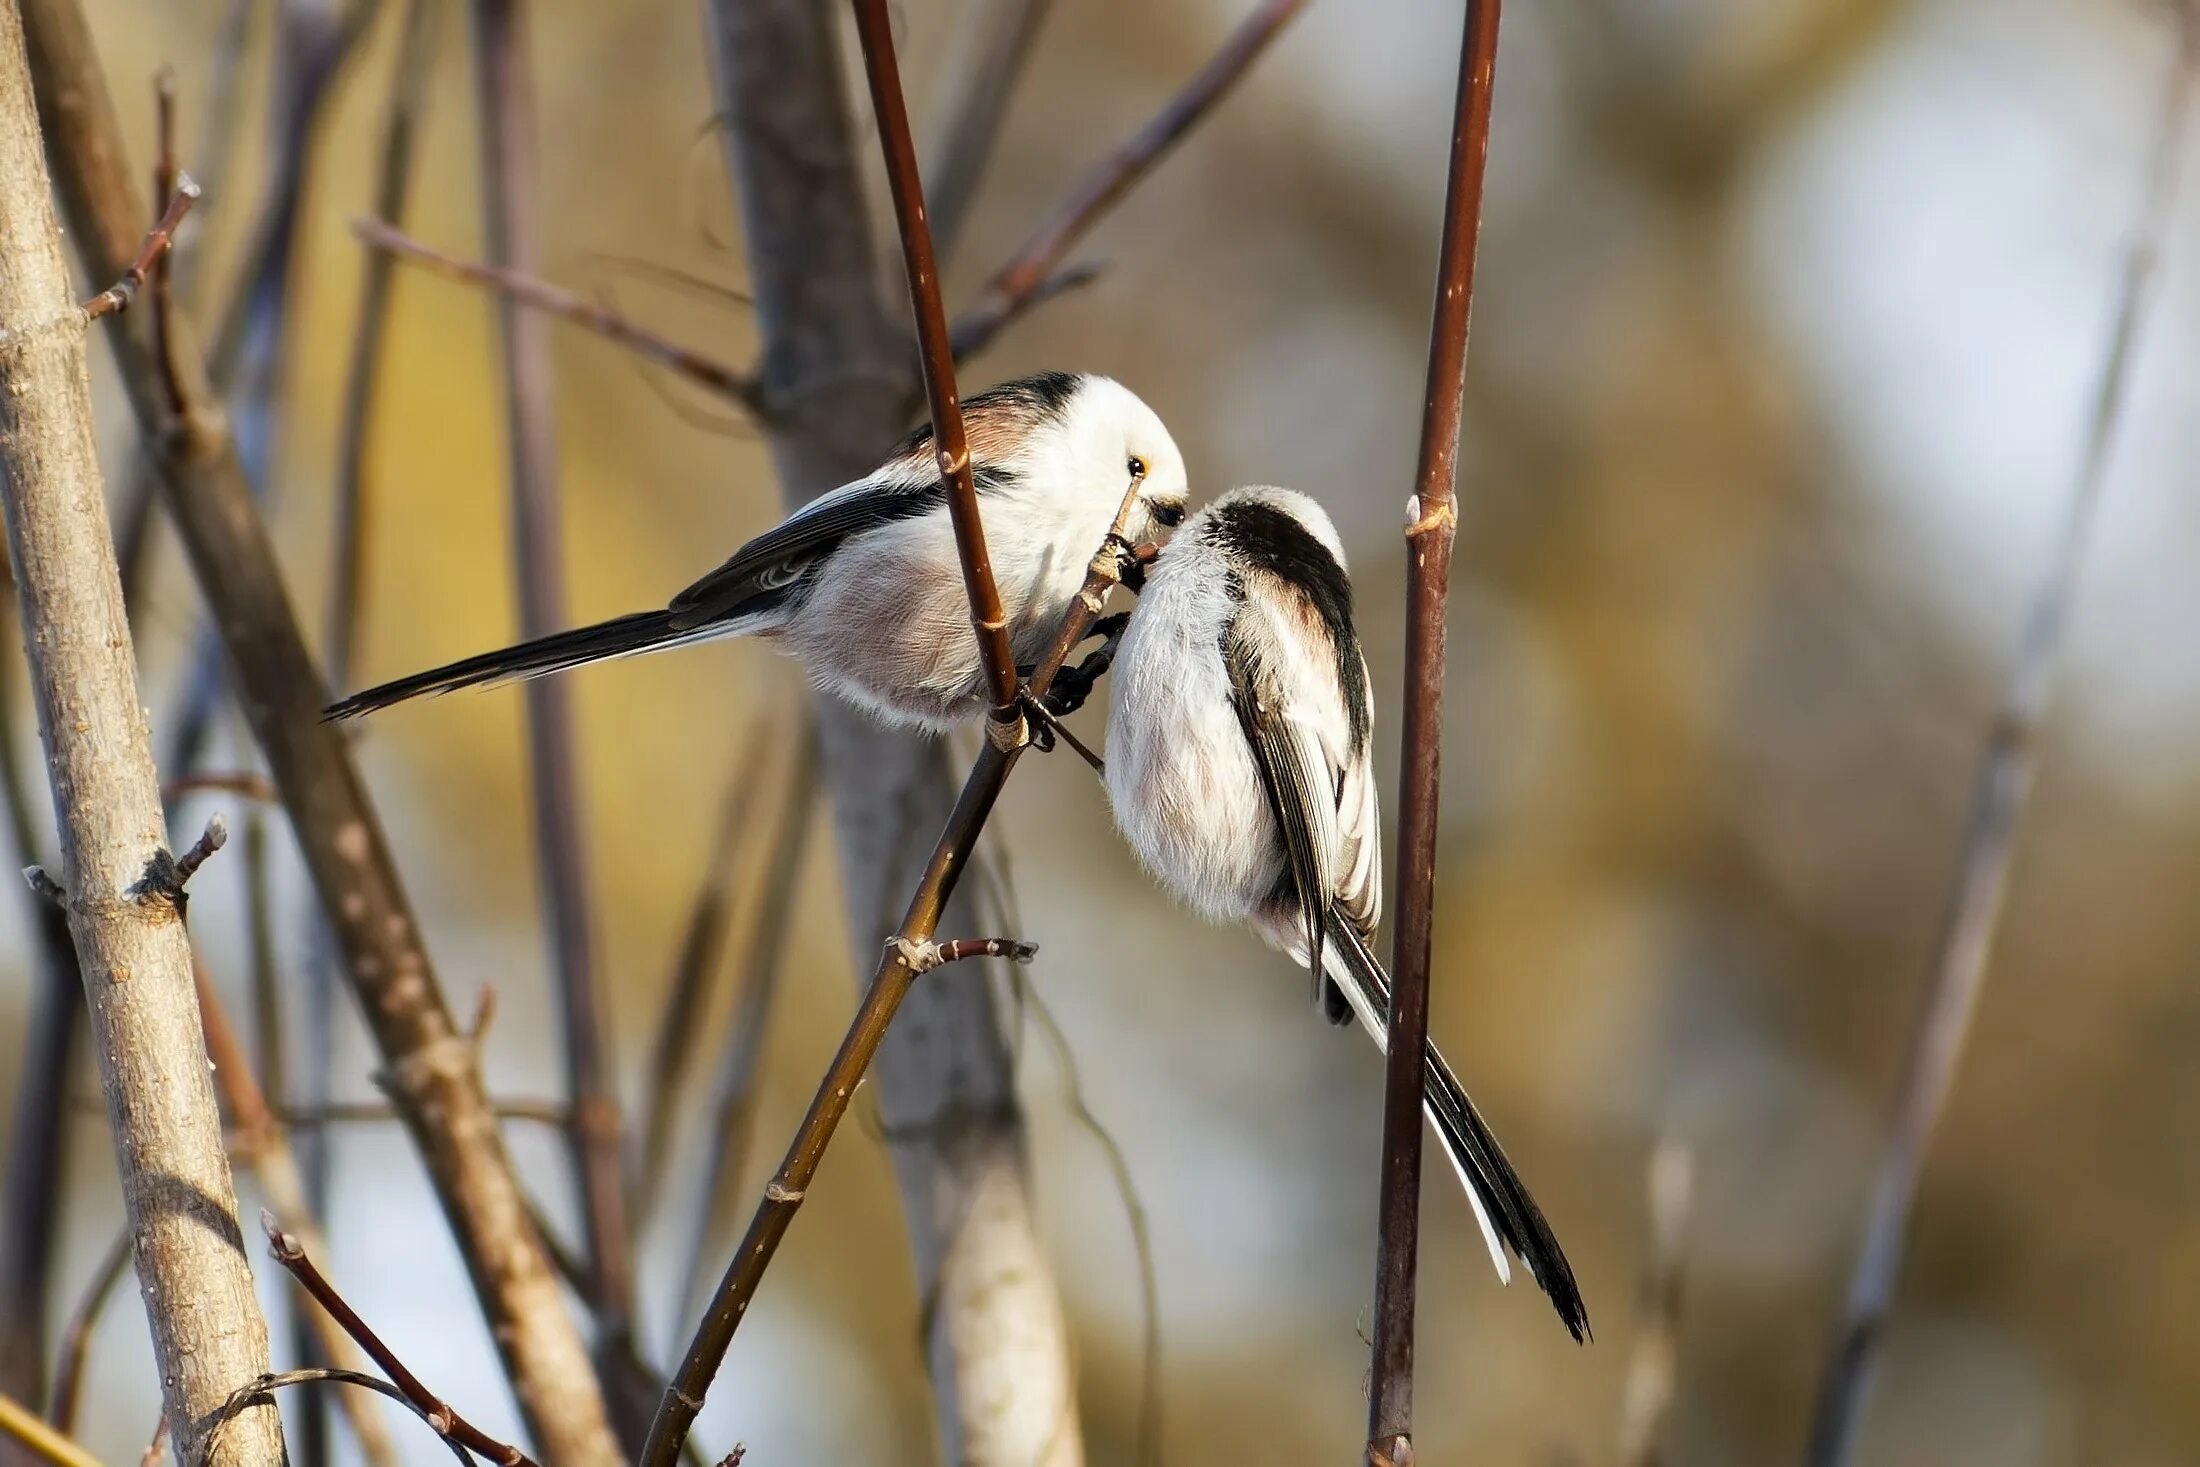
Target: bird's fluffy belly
889 629
1182 781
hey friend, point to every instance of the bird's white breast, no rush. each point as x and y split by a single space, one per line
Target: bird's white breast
1185 790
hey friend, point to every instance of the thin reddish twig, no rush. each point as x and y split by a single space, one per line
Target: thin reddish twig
1432 525
433 1409
988 618
1033 273
117 297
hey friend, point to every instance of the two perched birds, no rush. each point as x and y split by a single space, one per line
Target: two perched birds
1239 711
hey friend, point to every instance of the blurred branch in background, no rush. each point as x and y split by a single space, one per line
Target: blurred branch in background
1653 1366
431 1067
1032 274
504 98
76 1335
40 1440
1432 525
731 383
2007 770
978 81
36 1161
122 891
682 1025
732 1128
312 46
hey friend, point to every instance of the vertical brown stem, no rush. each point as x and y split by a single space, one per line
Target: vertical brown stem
117 877
1429 539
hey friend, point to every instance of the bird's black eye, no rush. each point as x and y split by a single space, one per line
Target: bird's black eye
1168 515
1137 467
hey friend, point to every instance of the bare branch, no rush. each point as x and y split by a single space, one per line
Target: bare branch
680 1028
1652 1371
117 297
291 1254
889 985
728 382
1431 527
950 448
267 1385
427 1061
135 962
2007 768
230 782
922 955
212 839
1032 274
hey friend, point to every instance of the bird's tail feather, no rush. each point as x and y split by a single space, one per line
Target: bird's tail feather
1502 1204
624 636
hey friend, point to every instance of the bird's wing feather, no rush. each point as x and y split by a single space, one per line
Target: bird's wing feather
998 425
1295 768
1358 890
780 556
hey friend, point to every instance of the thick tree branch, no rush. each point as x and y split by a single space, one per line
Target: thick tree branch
1431 527
2006 771
116 873
431 1068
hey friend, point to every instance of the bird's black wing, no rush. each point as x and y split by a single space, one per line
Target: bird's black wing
1293 770
996 422
780 557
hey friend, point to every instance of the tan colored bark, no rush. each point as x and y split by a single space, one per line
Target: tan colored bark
117 877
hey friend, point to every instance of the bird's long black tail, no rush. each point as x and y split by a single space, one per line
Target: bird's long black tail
1502 1205
623 636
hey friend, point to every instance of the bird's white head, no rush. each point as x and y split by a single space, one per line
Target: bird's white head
1113 438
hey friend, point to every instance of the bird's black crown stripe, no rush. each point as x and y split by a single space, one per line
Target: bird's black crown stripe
1263 535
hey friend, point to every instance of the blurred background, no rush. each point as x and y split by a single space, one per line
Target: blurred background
1787 328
